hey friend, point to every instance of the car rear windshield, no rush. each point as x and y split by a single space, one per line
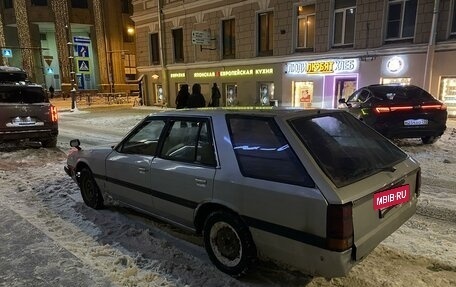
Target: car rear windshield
345 148
26 95
401 94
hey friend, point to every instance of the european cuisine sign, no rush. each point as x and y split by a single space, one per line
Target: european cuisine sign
391 197
322 67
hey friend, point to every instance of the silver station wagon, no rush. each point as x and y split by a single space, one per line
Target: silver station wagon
316 190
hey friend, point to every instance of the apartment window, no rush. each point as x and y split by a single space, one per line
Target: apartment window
39 2
229 37
453 20
306 27
265 33
79 4
178 41
344 22
401 19
8 4
130 66
154 49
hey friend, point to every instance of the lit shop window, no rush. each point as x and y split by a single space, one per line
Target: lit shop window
400 81
303 94
448 91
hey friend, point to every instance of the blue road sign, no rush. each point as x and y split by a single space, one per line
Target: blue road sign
7 53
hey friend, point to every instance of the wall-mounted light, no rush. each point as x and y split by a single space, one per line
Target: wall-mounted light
130 30
155 76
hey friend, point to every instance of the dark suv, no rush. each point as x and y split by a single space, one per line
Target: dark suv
398 111
25 111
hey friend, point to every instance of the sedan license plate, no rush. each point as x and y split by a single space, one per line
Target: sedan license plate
391 197
418 122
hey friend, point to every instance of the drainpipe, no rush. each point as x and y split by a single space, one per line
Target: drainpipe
431 49
164 71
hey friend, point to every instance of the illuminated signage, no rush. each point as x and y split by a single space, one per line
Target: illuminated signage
177 75
322 67
395 65
234 73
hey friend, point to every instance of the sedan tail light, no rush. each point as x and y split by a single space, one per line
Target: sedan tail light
54 115
339 227
380 110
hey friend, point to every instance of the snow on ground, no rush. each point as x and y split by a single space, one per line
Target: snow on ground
124 248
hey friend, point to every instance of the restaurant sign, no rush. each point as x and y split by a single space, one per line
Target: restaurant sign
234 73
330 66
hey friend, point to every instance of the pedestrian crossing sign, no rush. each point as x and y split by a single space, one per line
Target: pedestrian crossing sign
83 66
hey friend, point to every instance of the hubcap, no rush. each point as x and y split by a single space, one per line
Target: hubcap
226 244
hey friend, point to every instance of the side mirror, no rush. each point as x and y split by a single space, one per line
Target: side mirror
342 101
75 143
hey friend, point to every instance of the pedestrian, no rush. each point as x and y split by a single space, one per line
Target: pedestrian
182 97
196 99
51 92
215 98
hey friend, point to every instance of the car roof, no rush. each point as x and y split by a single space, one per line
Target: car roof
250 111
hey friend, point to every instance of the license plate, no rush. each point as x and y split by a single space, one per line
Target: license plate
418 122
391 197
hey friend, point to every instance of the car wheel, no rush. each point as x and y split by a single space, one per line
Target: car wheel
228 243
89 190
49 143
429 139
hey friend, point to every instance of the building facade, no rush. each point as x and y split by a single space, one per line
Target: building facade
82 44
294 53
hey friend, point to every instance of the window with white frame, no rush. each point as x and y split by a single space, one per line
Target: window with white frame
305 27
401 19
344 22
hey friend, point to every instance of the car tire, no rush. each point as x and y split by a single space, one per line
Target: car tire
89 190
228 243
429 139
49 143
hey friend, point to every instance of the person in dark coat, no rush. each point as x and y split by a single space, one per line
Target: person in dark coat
215 98
182 97
196 99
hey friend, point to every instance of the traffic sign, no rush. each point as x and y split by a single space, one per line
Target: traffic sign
83 66
201 38
7 53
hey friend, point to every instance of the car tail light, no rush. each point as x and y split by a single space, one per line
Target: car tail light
380 110
339 227
54 115
434 107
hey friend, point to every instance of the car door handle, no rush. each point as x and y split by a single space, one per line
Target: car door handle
200 182
143 169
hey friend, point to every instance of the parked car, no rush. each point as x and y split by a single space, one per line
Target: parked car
25 111
398 111
315 189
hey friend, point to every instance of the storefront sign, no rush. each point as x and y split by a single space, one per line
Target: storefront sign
234 73
177 75
322 67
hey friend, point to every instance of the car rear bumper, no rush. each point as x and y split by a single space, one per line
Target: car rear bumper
36 134
398 131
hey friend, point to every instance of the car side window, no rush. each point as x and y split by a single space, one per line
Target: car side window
144 139
360 96
263 152
189 141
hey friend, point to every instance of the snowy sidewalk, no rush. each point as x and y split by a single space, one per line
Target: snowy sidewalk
30 258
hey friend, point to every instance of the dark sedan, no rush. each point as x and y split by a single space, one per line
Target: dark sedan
398 111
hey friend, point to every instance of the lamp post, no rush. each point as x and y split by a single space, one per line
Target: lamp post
70 45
